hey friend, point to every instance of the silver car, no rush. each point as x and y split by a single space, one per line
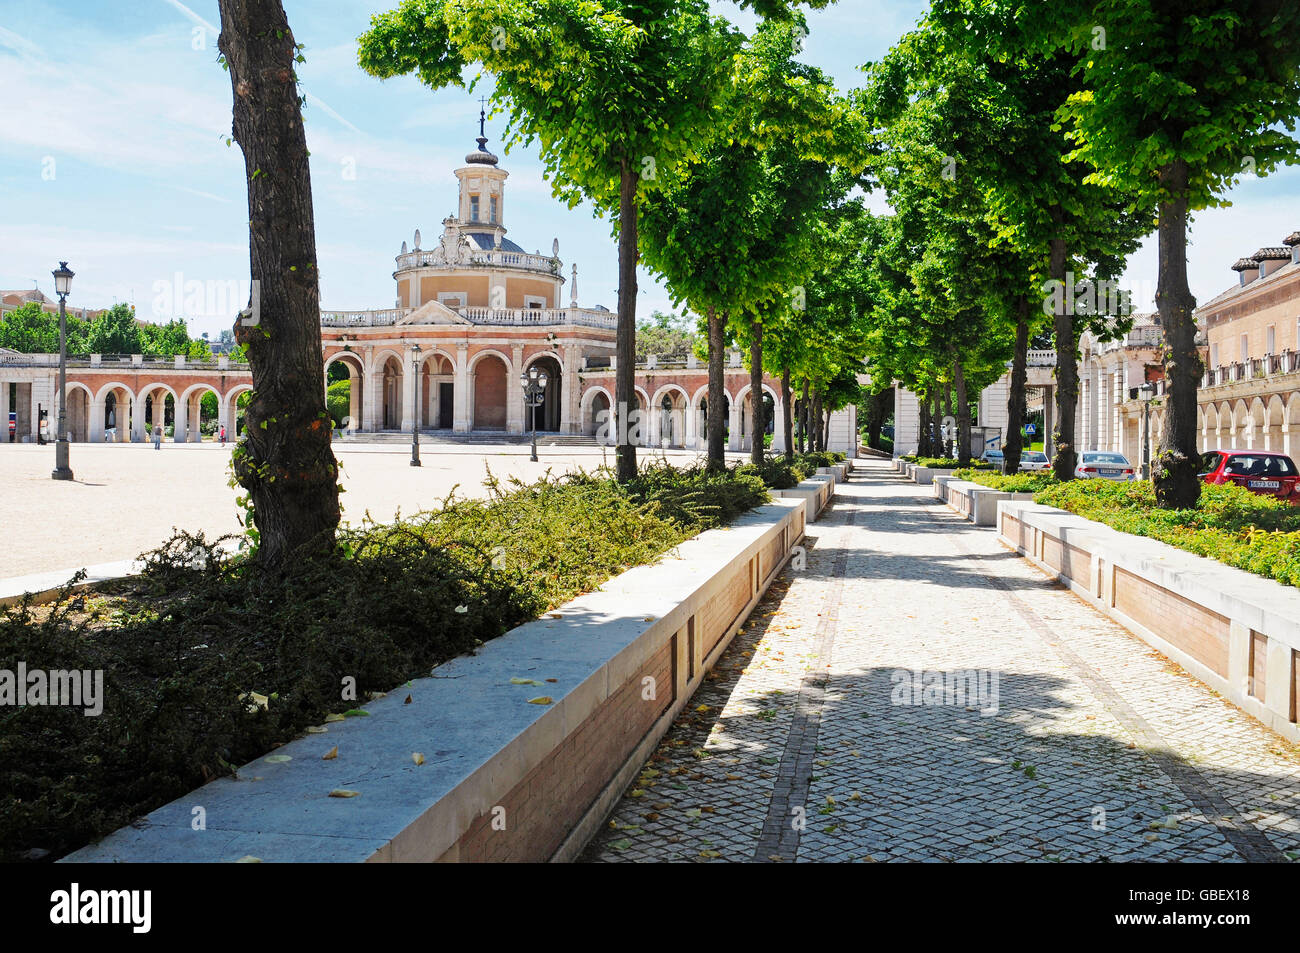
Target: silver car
1034 461
1105 465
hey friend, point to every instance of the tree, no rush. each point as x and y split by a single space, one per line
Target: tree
30 330
1178 102
617 93
114 331
285 461
1037 196
732 232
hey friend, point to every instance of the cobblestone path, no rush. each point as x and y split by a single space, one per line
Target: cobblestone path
1054 735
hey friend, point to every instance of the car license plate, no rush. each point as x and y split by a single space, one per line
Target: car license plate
1105 472
1264 484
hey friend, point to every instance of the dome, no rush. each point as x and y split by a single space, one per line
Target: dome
486 242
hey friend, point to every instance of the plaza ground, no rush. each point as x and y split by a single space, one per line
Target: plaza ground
127 497
807 744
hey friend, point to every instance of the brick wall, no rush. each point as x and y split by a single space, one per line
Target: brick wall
1200 633
543 808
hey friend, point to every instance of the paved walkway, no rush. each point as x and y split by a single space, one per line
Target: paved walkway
127 497
809 743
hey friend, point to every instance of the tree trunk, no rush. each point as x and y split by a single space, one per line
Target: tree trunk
816 422
882 402
787 425
804 414
716 407
625 342
285 460
936 421
963 414
1014 442
758 425
949 437
1174 471
1067 361
923 447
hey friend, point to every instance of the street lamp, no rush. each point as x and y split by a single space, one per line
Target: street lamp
534 385
415 428
1147 391
62 285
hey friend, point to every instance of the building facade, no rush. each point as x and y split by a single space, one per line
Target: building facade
471 314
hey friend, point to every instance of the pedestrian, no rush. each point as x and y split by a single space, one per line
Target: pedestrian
157 436
223 436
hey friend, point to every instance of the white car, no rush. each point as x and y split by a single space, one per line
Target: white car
1101 464
1034 461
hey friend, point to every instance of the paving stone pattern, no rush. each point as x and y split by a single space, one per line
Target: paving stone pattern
814 738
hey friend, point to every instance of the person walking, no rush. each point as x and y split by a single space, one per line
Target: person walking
157 436
223 435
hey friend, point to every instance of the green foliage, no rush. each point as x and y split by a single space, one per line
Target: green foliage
1013 483
666 335
1229 524
338 401
184 643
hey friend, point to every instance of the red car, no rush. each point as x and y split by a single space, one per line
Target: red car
1260 471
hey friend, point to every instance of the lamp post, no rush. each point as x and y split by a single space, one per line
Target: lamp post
534 384
415 425
62 285
1147 391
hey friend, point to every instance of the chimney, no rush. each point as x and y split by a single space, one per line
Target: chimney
1293 240
1271 259
1249 269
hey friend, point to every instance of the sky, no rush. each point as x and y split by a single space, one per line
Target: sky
113 125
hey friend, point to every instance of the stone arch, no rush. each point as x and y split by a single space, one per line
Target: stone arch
230 409
356 367
79 398
188 419
746 415
1253 426
670 413
596 413
111 411
548 414
489 390
1209 416
1274 421
437 393
1227 436
699 414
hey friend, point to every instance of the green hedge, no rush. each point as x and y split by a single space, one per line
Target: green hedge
183 645
1230 524
946 463
1014 483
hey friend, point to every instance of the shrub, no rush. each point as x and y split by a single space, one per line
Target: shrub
948 463
1229 523
186 644
1014 483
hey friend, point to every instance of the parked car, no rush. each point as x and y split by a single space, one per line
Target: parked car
993 457
1260 471
1102 464
1034 460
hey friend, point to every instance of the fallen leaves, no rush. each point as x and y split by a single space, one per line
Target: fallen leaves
344 792
331 754
417 757
541 700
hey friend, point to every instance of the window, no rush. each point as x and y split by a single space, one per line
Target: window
452 299
473 208
1245 348
1214 355
492 207
1272 338
534 301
